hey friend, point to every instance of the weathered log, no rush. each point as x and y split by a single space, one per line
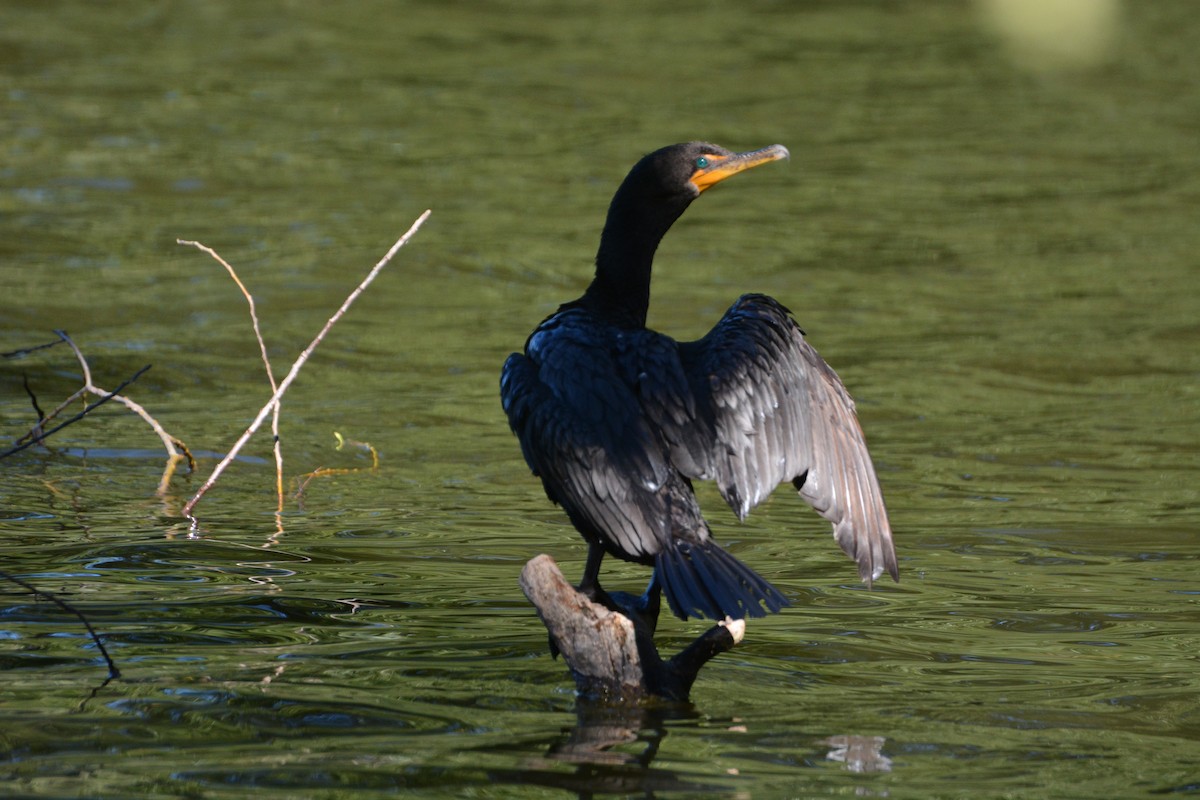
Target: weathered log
612 653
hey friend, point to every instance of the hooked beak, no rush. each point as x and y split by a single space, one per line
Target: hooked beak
721 167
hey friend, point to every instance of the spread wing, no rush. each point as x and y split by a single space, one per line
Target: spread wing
768 409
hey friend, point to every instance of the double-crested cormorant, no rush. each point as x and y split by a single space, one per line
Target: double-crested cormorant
617 419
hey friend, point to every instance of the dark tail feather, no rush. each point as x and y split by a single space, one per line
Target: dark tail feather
702 580
685 589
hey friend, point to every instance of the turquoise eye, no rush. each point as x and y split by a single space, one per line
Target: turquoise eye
701 162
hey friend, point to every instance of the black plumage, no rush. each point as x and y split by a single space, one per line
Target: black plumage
617 419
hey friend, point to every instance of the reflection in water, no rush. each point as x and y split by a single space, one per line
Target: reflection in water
859 753
1046 35
614 745
594 746
603 726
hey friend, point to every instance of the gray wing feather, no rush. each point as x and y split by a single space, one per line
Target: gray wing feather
771 410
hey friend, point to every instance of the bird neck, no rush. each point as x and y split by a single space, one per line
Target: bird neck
620 290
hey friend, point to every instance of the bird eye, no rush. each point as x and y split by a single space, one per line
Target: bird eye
701 162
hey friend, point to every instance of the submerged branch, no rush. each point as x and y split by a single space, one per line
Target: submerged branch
325 472
113 672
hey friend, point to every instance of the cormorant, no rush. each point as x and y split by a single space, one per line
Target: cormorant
617 419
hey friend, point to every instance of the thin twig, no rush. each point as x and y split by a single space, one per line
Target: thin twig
41 415
324 472
113 672
342 441
26 350
33 398
36 431
169 442
300 361
87 410
174 457
262 347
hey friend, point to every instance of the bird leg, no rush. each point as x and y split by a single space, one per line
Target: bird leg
645 607
651 602
589 585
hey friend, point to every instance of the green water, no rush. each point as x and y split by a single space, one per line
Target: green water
990 233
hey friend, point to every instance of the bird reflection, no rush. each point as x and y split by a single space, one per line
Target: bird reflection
602 727
859 753
613 746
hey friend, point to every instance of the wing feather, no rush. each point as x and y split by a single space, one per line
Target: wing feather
766 408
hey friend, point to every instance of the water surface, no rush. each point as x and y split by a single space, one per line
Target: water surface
991 239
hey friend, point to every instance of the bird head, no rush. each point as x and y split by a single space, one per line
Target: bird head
685 170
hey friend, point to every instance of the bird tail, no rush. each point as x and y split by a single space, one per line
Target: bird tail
702 580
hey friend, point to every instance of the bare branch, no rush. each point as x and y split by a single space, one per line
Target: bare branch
171 443
300 361
262 348
83 364
87 410
35 433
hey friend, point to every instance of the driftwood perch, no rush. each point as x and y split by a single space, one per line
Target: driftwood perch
612 653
